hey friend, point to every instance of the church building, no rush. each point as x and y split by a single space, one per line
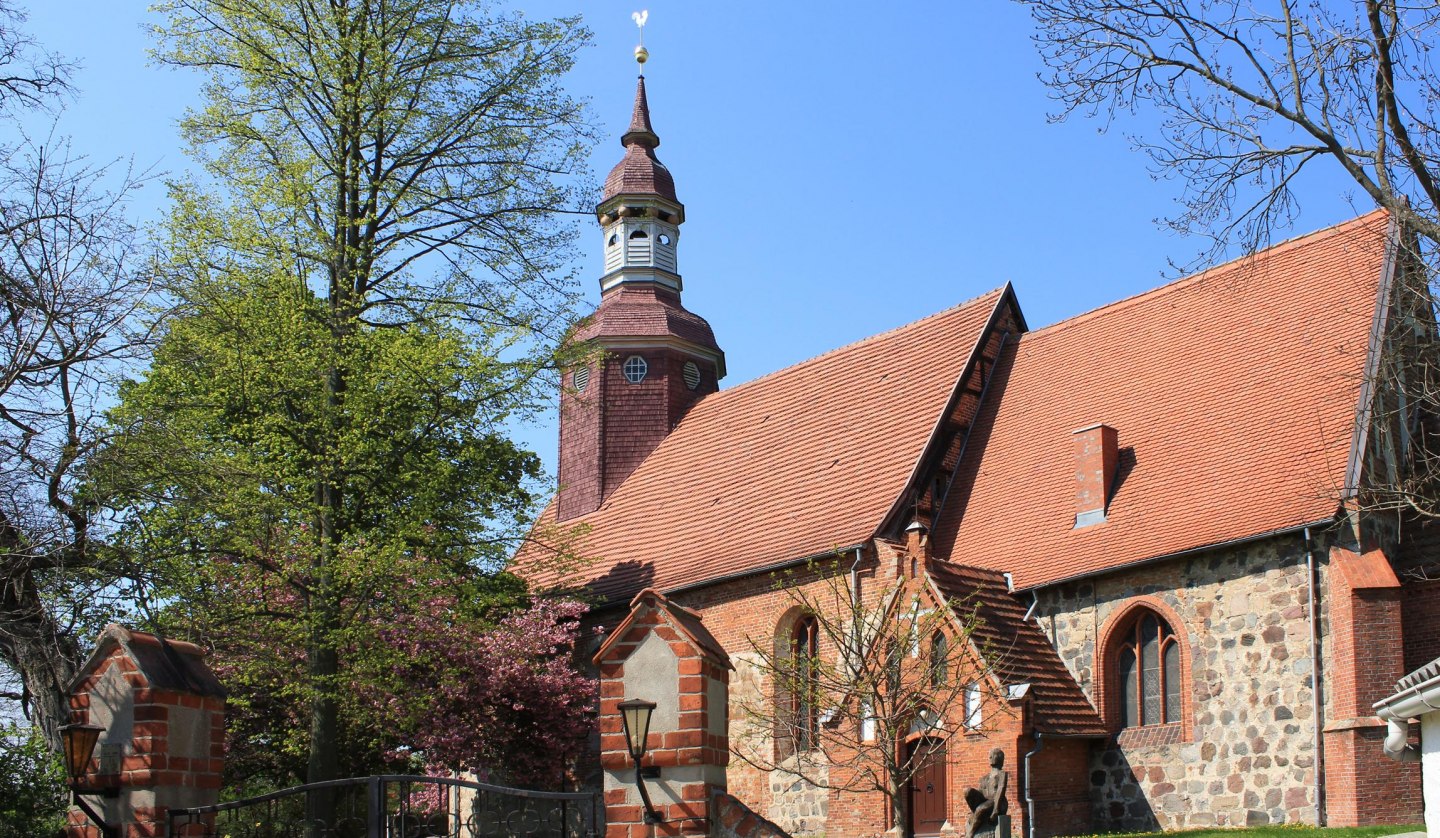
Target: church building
1152 508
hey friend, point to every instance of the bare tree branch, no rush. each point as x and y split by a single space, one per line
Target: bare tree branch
883 668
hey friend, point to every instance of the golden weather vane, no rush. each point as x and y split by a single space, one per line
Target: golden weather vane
641 53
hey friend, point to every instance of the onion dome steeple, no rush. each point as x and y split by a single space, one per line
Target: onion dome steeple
658 358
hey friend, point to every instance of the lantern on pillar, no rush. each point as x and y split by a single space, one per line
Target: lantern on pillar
79 742
635 714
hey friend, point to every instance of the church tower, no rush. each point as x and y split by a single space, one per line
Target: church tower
655 359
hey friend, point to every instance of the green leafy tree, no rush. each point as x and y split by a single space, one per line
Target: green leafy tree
371 276
32 786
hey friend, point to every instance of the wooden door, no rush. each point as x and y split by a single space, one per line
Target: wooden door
927 790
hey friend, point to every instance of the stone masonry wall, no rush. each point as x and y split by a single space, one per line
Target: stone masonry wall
1245 751
732 819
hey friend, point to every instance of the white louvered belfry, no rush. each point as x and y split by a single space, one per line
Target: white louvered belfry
641 243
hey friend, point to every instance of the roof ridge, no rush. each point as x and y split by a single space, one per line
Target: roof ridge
1208 273
852 345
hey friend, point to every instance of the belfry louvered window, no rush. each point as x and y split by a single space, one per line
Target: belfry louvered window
1148 668
637 248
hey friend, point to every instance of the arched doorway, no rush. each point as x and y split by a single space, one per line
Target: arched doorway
926 793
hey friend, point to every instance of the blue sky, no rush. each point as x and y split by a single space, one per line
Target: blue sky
846 167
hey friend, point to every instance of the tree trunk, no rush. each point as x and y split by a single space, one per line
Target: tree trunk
33 645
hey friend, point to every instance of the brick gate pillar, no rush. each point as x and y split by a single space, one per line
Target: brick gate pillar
662 653
164 717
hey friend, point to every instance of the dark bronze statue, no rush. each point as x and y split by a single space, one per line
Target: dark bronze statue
988 802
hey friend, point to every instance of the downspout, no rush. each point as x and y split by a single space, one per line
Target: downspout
857 631
855 578
1315 674
1397 741
1029 797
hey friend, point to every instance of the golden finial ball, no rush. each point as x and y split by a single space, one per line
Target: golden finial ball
642 54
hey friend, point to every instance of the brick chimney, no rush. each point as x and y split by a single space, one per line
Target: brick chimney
1097 453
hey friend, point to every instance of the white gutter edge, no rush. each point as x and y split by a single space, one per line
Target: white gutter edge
1399 709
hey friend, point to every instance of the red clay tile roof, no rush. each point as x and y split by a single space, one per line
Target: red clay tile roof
1021 653
1234 395
790 465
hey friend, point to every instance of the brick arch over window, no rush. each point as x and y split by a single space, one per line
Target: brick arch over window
1143 667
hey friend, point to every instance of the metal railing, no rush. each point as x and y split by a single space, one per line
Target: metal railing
396 806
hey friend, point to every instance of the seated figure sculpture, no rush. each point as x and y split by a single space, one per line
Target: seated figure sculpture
988 801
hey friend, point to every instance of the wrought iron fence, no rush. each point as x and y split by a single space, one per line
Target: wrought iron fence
396 806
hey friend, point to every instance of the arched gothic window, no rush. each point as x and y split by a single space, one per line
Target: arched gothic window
804 652
1147 668
939 660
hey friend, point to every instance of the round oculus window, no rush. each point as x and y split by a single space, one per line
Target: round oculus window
665 239
581 378
692 375
635 369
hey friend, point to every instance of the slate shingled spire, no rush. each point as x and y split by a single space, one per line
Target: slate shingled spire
640 133
640 172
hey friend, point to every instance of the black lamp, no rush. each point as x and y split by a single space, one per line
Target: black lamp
635 714
79 742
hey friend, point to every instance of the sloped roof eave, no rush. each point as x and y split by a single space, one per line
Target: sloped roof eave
1189 551
769 568
1007 296
1373 351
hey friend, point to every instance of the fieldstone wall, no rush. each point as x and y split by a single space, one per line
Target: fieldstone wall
1245 751
797 805
732 819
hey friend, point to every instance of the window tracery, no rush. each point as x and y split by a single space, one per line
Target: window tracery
1147 672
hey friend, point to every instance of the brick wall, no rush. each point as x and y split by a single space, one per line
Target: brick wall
741 614
608 430
1060 785
579 468
759 612
1417 564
